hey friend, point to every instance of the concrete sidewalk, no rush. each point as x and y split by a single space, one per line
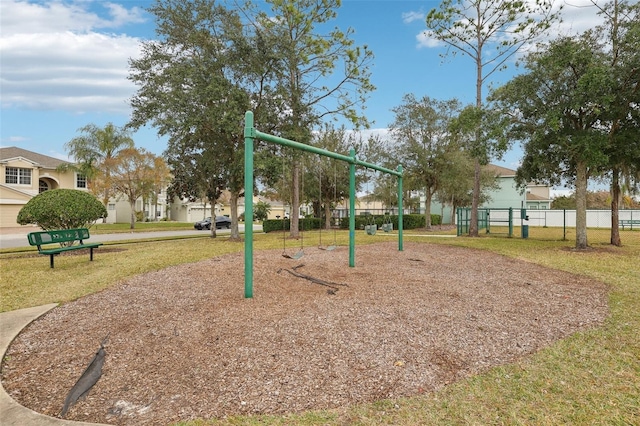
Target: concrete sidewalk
12 413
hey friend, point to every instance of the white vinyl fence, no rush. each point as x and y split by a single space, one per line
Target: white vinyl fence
562 218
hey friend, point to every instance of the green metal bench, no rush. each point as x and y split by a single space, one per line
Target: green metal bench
61 237
629 222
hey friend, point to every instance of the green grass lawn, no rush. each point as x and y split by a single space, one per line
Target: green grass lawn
590 378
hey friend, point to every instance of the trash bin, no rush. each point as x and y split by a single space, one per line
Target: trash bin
525 231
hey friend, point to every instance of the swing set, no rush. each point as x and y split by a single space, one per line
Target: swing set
250 135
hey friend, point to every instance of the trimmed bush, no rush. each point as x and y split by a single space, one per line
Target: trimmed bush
305 224
409 221
62 209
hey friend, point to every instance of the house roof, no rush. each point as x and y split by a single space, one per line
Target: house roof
12 152
533 197
500 171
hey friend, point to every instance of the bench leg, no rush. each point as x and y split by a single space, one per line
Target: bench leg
51 260
91 254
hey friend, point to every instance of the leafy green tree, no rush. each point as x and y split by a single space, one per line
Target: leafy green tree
620 112
195 84
327 183
94 152
319 73
261 210
62 209
422 129
489 32
555 108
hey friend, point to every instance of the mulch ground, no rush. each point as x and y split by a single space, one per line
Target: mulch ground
183 343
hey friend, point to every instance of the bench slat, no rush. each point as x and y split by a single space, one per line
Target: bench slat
61 236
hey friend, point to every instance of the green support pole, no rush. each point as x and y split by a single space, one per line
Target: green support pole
248 204
352 209
400 208
250 134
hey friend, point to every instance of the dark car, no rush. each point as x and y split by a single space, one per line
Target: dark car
221 222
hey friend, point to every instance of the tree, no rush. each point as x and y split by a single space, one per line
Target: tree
330 178
161 176
95 151
555 108
195 84
62 209
318 74
133 176
489 32
422 130
261 210
621 110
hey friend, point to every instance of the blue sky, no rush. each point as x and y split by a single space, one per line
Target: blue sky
64 64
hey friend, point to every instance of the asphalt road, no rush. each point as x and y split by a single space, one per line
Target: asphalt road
14 240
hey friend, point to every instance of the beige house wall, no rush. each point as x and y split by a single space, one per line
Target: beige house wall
13 196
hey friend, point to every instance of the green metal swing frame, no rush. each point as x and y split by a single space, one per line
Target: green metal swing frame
250 135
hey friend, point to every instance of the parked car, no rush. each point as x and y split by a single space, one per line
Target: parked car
221 222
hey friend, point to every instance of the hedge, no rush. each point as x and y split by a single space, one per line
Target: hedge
305 224
409 221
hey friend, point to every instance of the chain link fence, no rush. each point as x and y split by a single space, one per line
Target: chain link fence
551 224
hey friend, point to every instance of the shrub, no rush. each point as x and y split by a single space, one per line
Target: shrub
409 221
305 224
62 209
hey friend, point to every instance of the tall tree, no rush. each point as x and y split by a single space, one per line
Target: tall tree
421 128
132 175
621 115
489 32
320 73
555 108
331 185
95 151
195 86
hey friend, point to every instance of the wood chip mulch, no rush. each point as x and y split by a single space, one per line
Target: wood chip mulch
183 343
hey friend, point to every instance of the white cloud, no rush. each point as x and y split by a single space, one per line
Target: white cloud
53 56
410 17
577 17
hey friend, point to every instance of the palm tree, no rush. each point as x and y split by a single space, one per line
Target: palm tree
95 151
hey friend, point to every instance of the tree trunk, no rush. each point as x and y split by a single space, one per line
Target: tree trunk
427 207
214 234
581 206
615 208
233 204
327 216
475 201
132 223
295 201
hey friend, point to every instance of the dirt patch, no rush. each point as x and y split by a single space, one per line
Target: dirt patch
184 343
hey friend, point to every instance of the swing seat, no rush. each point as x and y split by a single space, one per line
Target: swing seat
331 248
387 227
371 229
298 255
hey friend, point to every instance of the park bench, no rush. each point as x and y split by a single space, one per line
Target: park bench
629 223
62 236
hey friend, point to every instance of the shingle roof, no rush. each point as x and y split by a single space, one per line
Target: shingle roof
45 161
534 197
500 171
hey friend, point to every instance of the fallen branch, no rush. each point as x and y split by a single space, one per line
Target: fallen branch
333 287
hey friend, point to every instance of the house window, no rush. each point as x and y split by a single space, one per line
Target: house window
81 181
15 175
42 186
112 206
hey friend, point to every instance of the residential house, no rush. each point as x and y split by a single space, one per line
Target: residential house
25 174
